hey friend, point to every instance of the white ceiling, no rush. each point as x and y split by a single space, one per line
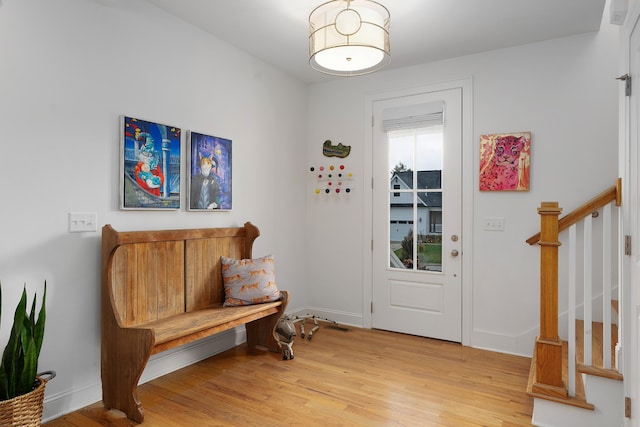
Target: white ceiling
421 31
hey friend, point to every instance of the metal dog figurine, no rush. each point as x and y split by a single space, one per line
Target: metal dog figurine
286 334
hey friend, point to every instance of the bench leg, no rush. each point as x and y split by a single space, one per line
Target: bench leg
262 332
122 365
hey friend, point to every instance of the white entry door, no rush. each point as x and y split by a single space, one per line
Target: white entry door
417 214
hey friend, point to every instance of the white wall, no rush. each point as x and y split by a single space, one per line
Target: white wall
563 91
68 70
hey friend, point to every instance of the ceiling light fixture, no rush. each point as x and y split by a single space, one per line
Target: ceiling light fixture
349 37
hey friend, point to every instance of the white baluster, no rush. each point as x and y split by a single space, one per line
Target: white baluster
588 288
606 287
571 389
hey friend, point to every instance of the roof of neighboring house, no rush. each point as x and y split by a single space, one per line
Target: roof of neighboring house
432 200
426 179
431 180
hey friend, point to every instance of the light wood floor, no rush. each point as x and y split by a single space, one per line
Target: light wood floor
355 378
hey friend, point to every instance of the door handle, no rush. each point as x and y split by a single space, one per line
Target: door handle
454 252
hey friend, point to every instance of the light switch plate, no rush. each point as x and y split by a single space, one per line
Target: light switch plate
494 223
80 222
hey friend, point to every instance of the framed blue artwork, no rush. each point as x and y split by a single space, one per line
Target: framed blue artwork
150 160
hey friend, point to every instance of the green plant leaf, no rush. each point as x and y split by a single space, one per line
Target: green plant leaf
27 373
4 393
32 313
8 364
38 329
16 355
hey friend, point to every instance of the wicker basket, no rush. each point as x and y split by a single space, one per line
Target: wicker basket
25 410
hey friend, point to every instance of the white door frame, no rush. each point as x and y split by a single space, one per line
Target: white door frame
468 173
630 347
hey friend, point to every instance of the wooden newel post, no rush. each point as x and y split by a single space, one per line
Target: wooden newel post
548 344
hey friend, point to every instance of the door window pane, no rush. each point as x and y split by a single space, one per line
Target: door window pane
415 199
401 156
428 148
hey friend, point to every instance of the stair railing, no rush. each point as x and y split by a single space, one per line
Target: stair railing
549 347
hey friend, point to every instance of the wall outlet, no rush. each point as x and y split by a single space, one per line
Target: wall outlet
83 221
494 223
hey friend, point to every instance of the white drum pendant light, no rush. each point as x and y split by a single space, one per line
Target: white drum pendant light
349 37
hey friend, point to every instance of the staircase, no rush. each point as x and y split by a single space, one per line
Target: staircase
573 377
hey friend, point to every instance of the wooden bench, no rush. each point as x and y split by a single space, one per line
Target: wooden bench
163 289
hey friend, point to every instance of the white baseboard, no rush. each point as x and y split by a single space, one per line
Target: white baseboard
340 317
519 345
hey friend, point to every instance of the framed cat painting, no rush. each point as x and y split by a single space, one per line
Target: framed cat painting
504 161
209 173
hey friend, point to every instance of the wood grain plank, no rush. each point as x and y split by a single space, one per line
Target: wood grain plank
144 292
119 275
204 286
170 283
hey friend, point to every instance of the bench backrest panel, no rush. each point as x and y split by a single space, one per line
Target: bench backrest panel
149 279
203 269
152 275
